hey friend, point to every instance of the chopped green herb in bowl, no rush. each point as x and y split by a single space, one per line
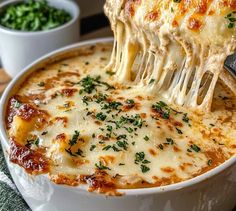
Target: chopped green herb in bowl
33 15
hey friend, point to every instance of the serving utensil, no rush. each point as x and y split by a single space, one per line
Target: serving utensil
230 64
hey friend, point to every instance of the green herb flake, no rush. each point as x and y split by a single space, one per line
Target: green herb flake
163 109
79 153
106 148
112 105
161 146
36 142
122 144
109 72
130 101
185 118
33 15
100 116
179 131
17 104
121 164
195 148
70 152
170 141
75 137
44 133
144 168
146 138
129 129
92 147
151 81
100 166
41 84
139 157
209 162
231 20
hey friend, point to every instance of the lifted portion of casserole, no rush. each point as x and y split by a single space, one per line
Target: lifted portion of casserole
73 121
180 44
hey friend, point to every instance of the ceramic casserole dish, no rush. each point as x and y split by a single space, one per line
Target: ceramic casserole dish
214 190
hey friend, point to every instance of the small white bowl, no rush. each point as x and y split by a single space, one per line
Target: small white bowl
18 48
213 191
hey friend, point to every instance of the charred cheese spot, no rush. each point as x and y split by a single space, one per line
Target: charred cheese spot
194 24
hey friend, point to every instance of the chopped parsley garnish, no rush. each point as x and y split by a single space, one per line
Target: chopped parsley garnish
146 138
109 128
32 142
110 73
100 166
100 97
195 148
33 15
72 142
89 85
92 147
140 159
139 156
112 105
44 133
79 153
185 118
100 116
209 162
231 17
163 109
86 99
122 144
151 81
170 141
161 146
36 142
123 136
17 104
179 131
115 149
41 84
70 152
121 164
129 129
130 102
144 168
74 139
106 148
135 120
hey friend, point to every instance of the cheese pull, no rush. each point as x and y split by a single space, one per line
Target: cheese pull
175 49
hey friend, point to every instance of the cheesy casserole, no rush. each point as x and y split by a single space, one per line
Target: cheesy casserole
74 121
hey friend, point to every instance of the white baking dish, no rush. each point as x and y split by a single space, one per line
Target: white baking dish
214 190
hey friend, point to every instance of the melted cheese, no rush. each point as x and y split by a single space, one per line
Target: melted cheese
181 45
113 134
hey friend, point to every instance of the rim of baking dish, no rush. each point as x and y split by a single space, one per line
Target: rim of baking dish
140 191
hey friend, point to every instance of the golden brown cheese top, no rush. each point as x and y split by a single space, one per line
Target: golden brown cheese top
74 121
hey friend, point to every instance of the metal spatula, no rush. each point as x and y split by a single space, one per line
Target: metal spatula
230 64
